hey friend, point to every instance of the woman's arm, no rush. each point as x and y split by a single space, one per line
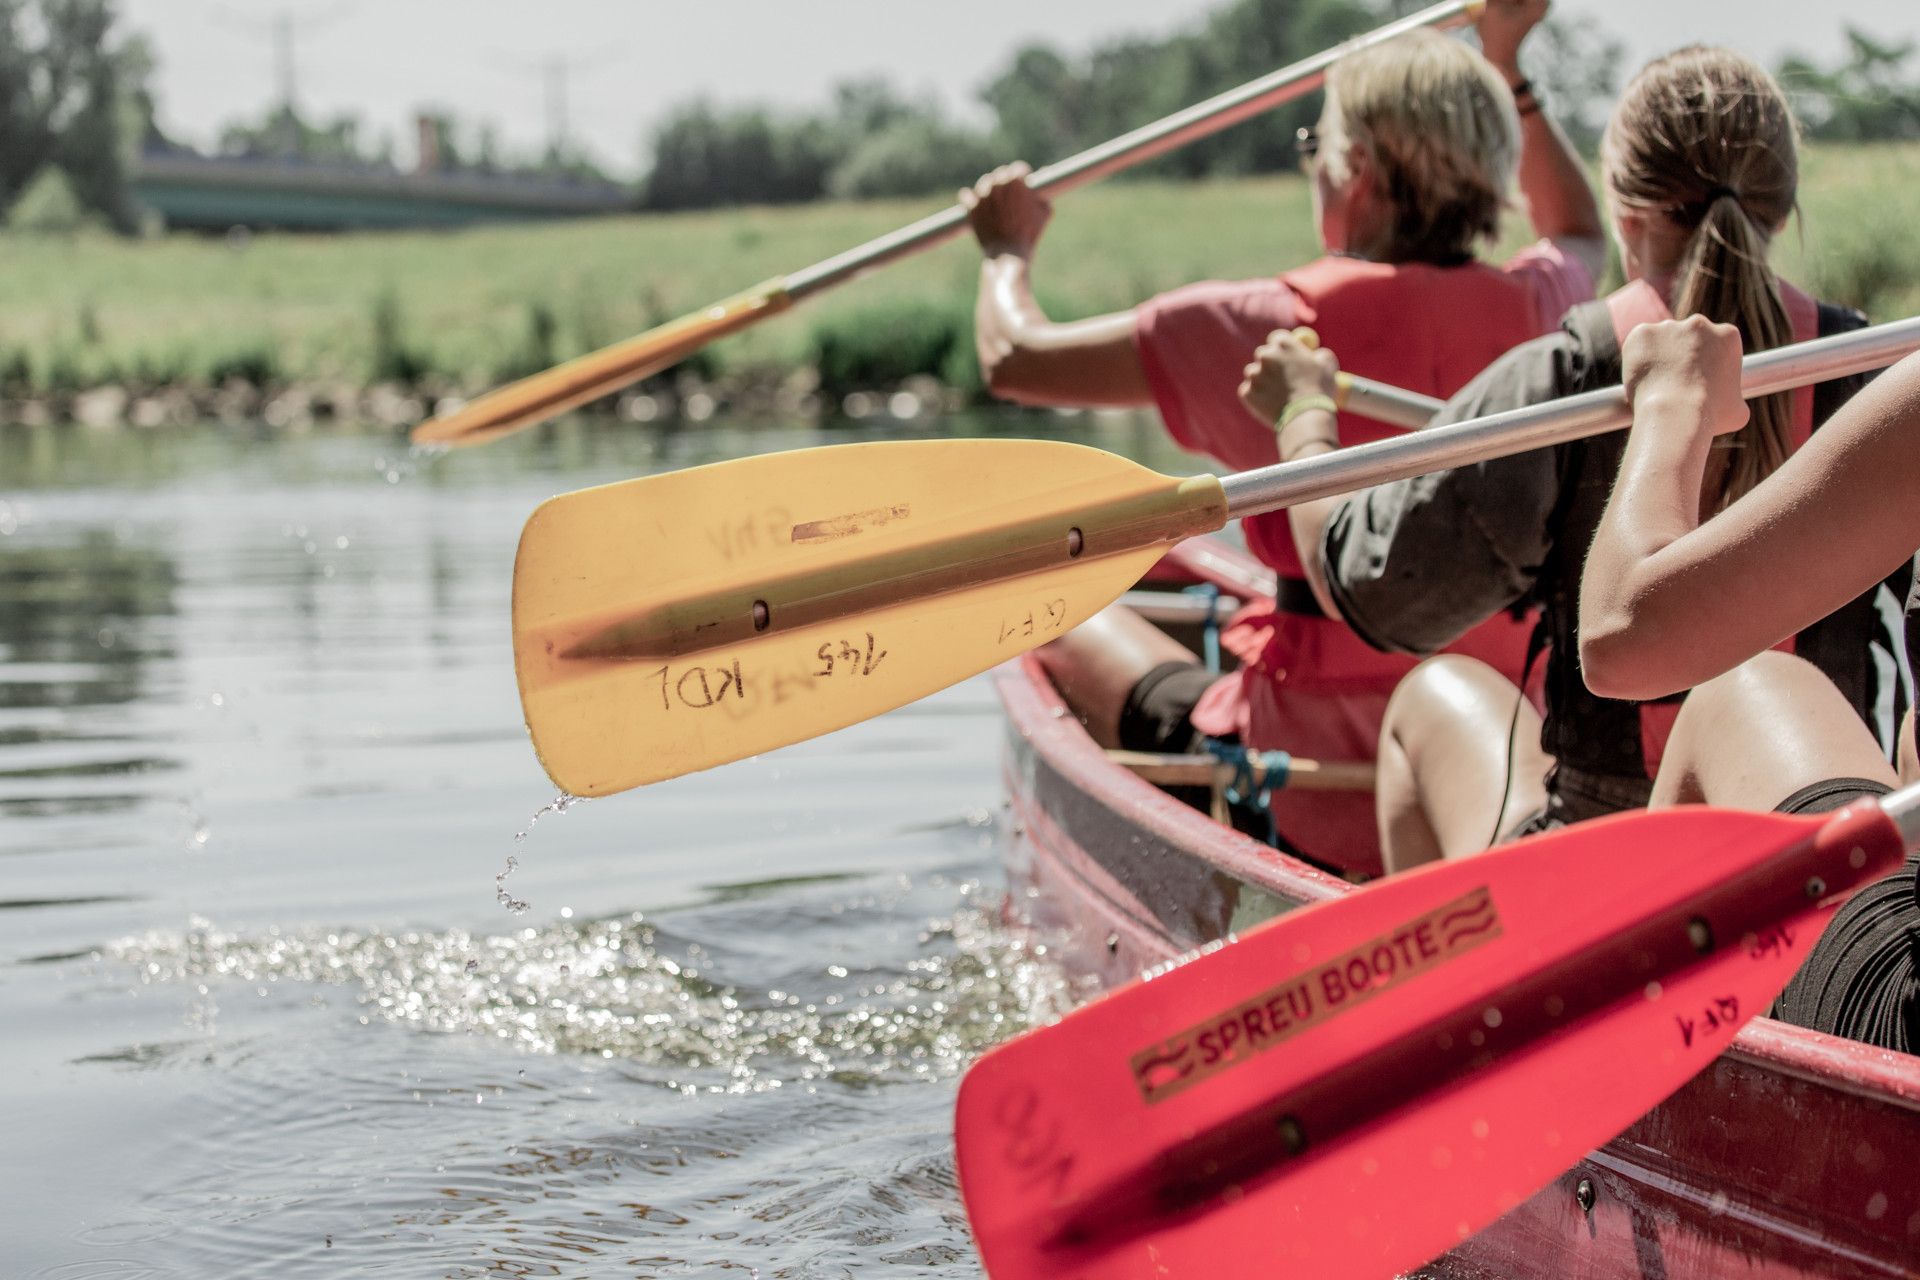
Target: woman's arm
1287 371
1024 355
1669 602
1554 182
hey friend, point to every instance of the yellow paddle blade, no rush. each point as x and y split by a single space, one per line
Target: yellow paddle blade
676 622
586 378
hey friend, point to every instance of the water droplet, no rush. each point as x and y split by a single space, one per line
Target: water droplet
500 893
561 803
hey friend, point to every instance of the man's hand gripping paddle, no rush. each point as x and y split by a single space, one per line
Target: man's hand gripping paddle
1352 1089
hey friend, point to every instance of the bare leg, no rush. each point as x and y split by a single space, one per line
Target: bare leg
1445 766
1909 756
1096 665
1754 736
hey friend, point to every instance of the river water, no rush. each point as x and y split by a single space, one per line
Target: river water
266 1010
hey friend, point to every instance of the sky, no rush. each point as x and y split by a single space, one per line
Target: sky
628 62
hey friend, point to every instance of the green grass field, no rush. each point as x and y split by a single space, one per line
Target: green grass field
475 307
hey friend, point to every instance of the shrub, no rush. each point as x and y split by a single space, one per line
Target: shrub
394 358
881 344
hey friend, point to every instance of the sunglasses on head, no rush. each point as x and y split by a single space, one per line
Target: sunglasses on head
1306 140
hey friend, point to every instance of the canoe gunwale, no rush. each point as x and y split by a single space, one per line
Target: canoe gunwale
1788 1158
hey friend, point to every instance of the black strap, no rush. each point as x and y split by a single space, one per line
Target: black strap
1862 979
1295 596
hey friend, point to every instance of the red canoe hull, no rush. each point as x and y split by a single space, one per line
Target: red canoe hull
1796 1155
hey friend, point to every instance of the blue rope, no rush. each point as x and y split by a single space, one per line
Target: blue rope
1256 776
1210 629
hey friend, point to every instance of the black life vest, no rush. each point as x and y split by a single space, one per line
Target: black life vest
1624 739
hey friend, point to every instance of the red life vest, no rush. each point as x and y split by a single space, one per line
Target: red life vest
1412 325
1640 303
1310 684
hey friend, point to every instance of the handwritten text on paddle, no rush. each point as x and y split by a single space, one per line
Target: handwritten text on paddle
1775 942
1031 1139
1306 1000
1044 619
750 533
700 687
854 661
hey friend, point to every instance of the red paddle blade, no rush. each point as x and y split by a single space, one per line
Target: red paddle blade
1356 1087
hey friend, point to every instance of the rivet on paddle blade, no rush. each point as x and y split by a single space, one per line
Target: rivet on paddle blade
762 616
1076 542
1816 888
1583 1195
1292 1135
1113 944
1700 934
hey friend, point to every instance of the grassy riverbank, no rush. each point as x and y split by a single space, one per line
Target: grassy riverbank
448 312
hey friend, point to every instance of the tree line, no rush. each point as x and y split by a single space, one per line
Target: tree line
76 105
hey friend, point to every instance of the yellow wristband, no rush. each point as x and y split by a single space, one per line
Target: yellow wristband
1304 404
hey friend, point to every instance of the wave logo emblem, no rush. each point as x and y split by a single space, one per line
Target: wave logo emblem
1170 1066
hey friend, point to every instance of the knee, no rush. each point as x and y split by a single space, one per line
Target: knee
1762 682
1444 690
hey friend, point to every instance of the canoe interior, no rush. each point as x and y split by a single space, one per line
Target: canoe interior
1795 1155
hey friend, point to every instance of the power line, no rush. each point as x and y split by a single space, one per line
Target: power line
556 72
282 30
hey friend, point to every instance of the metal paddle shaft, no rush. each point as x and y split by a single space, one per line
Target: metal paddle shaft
675 622
599 373
1395 406
1356 1087
1129 149
1537 426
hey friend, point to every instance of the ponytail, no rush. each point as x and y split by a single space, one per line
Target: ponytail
1724 276
1704 138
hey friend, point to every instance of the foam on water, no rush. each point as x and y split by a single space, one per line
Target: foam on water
624 988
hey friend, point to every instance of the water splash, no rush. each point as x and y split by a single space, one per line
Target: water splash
500 893
561 803
626 988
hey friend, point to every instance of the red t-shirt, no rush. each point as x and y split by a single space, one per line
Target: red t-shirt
1424 328
1311 685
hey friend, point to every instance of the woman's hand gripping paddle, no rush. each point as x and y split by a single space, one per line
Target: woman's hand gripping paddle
1356 1087
680 621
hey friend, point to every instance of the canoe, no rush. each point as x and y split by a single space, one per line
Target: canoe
1794 1155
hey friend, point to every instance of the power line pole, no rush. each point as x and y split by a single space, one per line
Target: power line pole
282 32
556 75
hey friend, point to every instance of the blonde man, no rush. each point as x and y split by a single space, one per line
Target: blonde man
1411 165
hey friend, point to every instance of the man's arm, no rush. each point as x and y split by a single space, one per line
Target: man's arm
1024 355
1554 182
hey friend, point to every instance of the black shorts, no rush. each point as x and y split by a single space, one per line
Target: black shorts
1862 978
1574 795
1158 717
1158 713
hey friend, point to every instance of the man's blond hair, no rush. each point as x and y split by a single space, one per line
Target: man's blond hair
1439 125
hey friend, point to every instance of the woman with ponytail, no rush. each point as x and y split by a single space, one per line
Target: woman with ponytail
1699 168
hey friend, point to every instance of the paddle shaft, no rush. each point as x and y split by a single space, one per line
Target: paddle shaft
1209 771
1537 426
1395 406
875 576
1129 149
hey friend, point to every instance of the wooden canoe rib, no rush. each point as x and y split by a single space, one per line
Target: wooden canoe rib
1793 1157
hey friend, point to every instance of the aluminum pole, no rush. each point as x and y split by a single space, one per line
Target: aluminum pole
1129 149
1497 435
